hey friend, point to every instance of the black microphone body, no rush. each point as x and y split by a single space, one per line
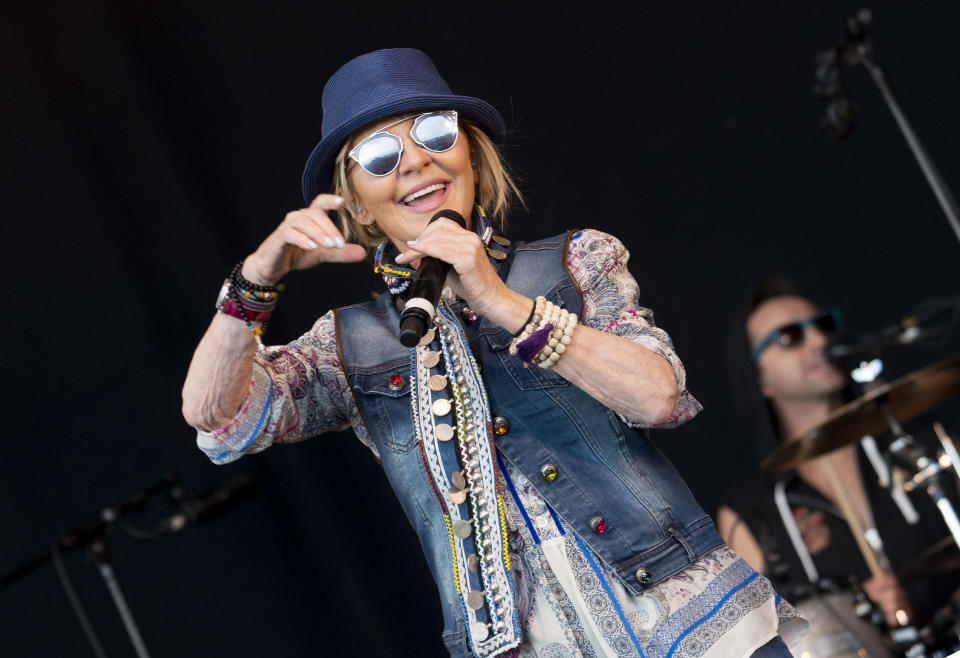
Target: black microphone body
425 290
213 503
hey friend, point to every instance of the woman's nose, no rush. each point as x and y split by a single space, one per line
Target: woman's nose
413 158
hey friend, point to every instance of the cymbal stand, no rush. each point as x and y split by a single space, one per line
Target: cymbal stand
928 470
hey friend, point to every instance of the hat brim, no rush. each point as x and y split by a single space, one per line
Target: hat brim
318 172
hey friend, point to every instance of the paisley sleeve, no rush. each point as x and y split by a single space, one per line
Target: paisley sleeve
598 263
298 391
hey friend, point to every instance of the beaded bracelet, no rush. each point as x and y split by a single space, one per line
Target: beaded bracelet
554 322
248 301
530 343
533 310
558 342
531 326
254 290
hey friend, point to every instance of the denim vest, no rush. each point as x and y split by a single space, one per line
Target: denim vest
654 527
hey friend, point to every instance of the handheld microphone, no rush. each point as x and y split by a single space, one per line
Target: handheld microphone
425 291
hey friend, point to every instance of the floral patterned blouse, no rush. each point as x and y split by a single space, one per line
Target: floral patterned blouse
568 605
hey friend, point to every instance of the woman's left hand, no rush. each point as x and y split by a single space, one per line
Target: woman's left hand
473 277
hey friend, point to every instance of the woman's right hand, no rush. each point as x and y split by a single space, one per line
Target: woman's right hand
305 238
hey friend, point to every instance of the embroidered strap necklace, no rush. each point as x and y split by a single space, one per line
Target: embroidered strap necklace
452 423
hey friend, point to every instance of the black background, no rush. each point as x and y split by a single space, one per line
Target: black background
147 147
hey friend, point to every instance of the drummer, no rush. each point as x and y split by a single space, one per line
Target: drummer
787 334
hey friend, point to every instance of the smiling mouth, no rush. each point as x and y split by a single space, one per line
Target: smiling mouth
424 195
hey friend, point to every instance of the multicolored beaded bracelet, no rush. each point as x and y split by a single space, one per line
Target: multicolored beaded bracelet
248 301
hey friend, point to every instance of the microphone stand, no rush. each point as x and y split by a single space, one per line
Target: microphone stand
930 171
856 48
99 552
93 535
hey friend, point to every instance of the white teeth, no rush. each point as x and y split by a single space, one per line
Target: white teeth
427 190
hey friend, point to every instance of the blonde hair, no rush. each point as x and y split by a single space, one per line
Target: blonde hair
495 186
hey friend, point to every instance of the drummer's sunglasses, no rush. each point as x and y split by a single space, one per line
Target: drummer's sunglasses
379 154
827 321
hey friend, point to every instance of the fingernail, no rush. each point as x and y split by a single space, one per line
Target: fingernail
328 242
398 258
338 199
411 242
313 245
341 243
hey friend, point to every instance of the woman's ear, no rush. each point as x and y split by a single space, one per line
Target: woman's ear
360 214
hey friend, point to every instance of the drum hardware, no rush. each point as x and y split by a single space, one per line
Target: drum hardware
891 477
928 470
949 448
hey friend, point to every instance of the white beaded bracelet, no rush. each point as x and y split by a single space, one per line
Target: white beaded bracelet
563 335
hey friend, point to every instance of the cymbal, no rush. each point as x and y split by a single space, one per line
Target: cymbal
907 398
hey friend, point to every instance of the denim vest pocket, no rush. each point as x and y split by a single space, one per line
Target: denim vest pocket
527 378
388 408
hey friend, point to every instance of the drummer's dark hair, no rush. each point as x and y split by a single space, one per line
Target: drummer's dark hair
755 410
771 287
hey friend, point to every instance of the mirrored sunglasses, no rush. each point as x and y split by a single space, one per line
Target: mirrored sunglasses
827 321
379 154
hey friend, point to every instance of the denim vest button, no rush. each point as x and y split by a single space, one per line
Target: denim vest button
643 575
549 472
598 524
501 425
396 382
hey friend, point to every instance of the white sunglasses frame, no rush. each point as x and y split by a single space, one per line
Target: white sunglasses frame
383 131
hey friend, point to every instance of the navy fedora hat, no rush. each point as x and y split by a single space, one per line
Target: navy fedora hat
376 85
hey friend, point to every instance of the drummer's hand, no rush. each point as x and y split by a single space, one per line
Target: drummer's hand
305 238
473 278
886 592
